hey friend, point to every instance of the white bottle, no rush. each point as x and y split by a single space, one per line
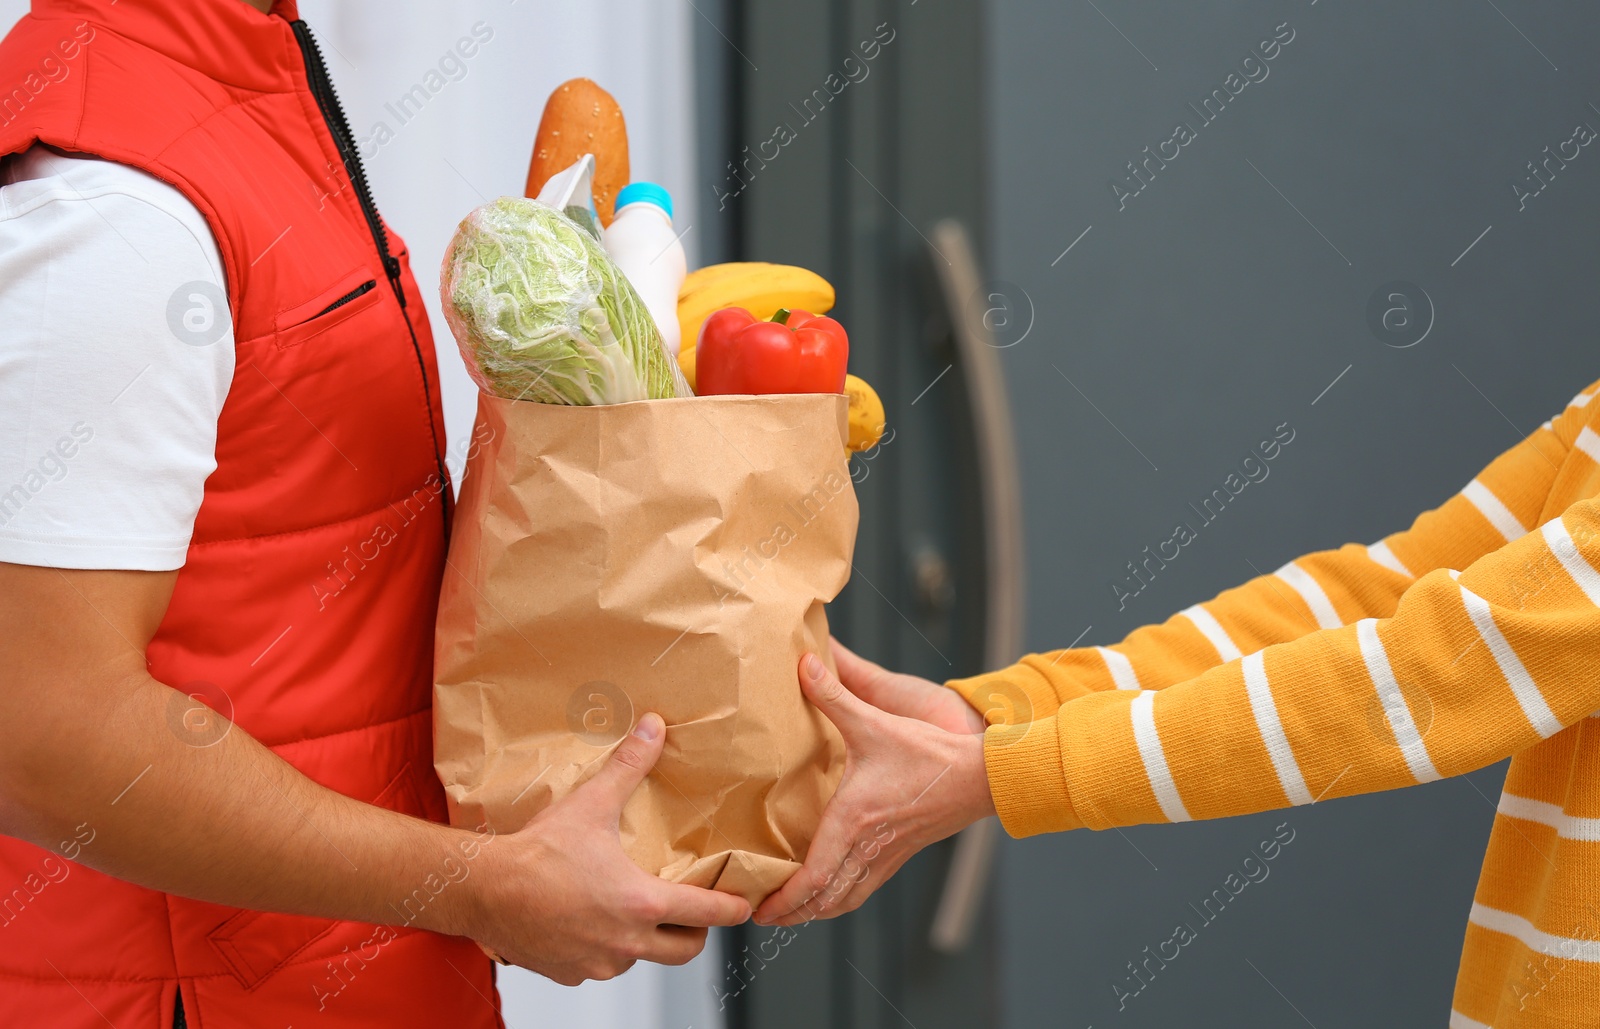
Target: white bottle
641 241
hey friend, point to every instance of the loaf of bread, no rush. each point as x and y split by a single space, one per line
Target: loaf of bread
581 118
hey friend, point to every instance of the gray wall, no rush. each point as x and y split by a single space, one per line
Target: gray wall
1212 309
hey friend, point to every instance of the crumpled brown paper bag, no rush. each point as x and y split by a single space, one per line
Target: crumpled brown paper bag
670 556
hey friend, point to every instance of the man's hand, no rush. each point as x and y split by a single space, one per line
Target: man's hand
910 779
87 744
563 899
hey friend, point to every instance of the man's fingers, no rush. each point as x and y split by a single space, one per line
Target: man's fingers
843 708
674 945
691 906
626 768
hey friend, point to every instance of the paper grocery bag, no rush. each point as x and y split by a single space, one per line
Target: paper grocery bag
670 556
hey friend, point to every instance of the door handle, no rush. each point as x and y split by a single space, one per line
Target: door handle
1000 485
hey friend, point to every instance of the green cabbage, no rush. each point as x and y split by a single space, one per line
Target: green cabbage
541 312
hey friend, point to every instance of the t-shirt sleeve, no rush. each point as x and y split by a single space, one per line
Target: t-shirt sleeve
116 353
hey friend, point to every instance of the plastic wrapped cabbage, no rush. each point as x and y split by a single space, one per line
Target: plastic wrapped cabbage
541 313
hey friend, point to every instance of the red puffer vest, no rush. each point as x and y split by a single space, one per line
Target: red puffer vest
305 610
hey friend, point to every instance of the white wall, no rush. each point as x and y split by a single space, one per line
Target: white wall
470 142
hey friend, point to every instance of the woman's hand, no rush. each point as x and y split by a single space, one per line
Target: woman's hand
913 775
906 695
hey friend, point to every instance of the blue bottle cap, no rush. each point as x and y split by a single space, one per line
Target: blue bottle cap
644 192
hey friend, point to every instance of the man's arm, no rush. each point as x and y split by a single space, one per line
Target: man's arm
85 739
1320 591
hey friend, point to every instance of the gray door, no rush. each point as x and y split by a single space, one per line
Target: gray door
835 137
1362 235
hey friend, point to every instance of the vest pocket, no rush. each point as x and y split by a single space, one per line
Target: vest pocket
256 944
360 291
305 321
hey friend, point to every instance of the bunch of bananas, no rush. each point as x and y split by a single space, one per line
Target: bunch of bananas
760 288
764 289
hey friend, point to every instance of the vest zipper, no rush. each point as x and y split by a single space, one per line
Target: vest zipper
179 1020
339 128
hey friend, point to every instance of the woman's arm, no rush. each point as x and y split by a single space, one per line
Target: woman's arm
1320 591
1473 666
1461 670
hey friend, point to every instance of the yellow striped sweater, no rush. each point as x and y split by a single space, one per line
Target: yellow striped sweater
1472 636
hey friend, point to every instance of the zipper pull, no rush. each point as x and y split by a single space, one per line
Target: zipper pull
391 268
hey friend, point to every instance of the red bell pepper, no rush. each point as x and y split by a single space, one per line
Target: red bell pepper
796 352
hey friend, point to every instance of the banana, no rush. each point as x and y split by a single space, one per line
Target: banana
756 286
866 415
702 277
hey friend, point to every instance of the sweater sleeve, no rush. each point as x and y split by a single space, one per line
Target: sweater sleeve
1472 667
1320 591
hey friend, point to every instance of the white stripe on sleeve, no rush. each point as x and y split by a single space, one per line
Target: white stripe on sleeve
1394 703
1213 631
1498 514
1143 711
1524 931
1581 400
1120 667
1589 443
1312 593
1539 715
1460 1021
1382 555
1568 827
1271 728
1561 545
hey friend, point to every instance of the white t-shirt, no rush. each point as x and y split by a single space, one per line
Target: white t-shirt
116 352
